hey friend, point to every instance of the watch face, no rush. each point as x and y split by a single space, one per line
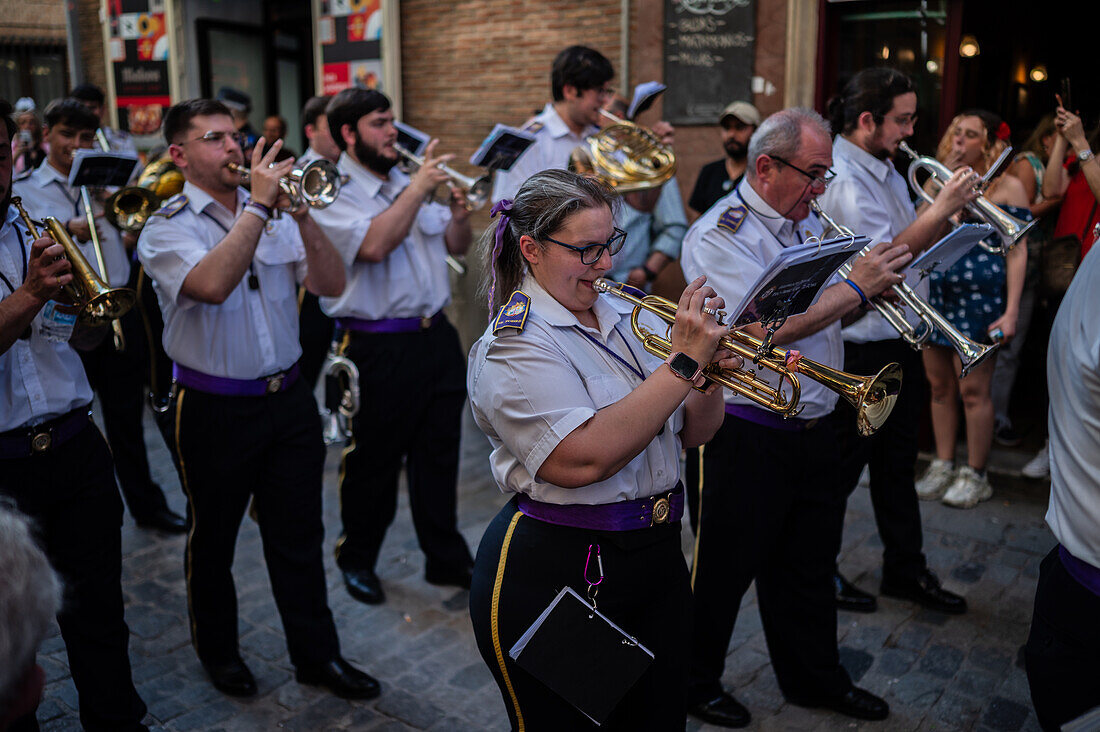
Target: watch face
684 365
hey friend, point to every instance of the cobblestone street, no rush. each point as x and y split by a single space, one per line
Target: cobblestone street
937 672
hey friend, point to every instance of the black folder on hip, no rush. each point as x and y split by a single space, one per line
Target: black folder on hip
581 655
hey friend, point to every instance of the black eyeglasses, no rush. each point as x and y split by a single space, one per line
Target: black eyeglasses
821 181
592 253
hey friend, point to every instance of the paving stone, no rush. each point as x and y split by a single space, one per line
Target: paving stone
1005 715
942 661
968 572
957 710
410 709
912 637
896 662
919 689
855 662
988 658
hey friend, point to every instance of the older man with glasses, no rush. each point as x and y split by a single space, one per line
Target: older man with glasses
770 507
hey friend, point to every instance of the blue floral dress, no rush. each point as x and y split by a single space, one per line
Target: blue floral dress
971 293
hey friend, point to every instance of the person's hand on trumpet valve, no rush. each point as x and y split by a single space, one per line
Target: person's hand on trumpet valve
697 330
878 270
961 188
48 271
428 176
265 174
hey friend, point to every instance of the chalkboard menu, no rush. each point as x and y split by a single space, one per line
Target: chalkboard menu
709 48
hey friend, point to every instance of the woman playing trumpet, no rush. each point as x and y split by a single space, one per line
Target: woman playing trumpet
979 295
586 428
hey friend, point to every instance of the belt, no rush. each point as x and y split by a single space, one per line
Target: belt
389 325
764 418
641 513
41 438
235 387
1080 570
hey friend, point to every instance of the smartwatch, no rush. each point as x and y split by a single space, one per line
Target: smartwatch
684 366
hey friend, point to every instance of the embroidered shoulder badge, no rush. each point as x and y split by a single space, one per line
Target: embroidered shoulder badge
533 126
732 218
172 207
514 313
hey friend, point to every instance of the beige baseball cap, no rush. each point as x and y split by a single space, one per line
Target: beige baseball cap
742 111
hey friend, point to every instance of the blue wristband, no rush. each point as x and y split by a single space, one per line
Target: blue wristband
854 286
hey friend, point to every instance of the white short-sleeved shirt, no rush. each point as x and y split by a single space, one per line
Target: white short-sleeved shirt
254 332
530 390
1073 380
870 197
732 263
46 192
39 379
412 281
307 157
553 143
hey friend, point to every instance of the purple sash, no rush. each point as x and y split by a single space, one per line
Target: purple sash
1082 571
641 513
388 325
765 418
235 387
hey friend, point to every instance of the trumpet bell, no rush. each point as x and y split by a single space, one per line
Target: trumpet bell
107 304
875 398
319 183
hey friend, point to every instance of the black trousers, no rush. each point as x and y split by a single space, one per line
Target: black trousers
315 331
412 388
645 591
771 511
71 496
891 454
266 449
1063 648
119 378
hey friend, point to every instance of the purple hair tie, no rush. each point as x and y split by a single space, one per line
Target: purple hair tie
502 207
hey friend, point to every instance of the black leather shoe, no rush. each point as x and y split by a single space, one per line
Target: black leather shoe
851 598
164 520
925 590
723 711
855 703
342 679
453 577
232 677
364 585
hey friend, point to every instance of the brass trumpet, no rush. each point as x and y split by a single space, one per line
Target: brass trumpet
1010 228
970 353
317 185
872 396
99 303
477 190
624 155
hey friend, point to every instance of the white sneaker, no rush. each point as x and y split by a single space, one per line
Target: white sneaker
935 481
1038 466
968 490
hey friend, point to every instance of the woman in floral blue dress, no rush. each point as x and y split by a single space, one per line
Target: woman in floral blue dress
979 295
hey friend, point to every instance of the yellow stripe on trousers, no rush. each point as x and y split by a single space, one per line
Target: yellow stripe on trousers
494 617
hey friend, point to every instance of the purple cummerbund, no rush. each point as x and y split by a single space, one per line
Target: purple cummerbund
765 418
235 387
1082 571
622 516
388 325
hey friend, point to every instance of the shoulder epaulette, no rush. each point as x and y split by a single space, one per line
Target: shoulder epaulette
732 218
533 125
174 205
24 175
514 313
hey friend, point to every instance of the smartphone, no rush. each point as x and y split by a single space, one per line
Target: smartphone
1066 103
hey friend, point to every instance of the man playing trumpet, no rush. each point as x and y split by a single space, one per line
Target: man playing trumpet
390 322
771 508
225 272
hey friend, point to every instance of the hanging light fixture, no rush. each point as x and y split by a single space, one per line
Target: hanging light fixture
968 46
1039 73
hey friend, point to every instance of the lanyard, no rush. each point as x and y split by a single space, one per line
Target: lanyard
253 280
636 371
23 250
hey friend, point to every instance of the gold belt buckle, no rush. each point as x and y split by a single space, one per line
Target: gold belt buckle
425 323
275 383
661 510
41 442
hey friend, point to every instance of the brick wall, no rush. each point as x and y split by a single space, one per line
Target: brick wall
90 32
37 20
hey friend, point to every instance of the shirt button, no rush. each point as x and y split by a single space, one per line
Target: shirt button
660 473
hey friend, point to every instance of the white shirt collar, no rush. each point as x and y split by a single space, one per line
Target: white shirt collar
857 156
555 125
45 174
367 180
557 315
200 199
780 226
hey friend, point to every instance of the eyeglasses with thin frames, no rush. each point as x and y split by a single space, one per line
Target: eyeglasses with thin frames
219 137
821 181
592 253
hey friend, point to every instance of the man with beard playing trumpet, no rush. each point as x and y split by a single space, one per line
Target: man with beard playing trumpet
225 272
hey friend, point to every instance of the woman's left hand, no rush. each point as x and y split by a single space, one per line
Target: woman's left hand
696 332
1007 325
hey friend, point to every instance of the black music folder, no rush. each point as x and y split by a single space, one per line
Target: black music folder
581 655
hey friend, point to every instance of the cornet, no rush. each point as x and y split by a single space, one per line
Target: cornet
1010 228
477 190
970 353
872 396
341 379
317 185
99 303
